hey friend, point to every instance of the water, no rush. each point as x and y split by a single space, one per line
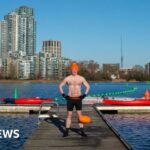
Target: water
51 89
135 128
24 123
27 124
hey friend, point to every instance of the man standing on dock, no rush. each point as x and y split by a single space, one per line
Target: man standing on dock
74 97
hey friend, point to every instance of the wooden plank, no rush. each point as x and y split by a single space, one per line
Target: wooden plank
123 109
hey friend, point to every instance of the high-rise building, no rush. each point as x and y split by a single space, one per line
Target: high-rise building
52 47
3 39
26 30
12 31
18 32
50 61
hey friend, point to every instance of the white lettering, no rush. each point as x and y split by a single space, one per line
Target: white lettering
1 134
16 134
7 133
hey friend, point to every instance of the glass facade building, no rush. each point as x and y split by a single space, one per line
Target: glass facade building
20 32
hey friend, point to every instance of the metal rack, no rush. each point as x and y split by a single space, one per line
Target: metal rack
48 110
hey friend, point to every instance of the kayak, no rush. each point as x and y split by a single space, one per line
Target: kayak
33 100
127 101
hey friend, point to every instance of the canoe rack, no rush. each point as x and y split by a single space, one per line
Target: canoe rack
48 110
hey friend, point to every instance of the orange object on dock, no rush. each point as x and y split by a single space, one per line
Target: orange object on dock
85 119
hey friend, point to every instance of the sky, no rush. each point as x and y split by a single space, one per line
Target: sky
92 29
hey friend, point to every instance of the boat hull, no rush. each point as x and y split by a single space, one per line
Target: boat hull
34 100
135 102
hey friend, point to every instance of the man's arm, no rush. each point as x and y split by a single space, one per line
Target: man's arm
85 83
61 86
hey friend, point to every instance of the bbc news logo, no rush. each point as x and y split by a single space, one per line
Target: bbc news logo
9 134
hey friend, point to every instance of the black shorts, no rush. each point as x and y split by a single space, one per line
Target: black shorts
74 103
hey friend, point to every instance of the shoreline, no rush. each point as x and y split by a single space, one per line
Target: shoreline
29 81
58 81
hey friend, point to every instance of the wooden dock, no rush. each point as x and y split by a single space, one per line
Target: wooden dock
122 109
18 108
48 136
23 108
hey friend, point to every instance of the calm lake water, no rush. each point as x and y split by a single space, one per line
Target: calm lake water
51 89
134 128
26 124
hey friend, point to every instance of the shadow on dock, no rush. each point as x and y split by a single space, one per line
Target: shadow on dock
60 124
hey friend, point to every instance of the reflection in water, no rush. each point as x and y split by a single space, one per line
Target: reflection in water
135 128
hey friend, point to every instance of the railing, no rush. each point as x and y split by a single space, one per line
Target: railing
51 109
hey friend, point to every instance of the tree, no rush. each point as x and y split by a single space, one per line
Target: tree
90 70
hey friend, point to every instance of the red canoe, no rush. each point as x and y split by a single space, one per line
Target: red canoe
127 102
34 100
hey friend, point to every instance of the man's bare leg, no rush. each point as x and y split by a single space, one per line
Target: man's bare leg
79 113
68 123
69 119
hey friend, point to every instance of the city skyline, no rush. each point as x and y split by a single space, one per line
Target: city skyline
18 59
92 29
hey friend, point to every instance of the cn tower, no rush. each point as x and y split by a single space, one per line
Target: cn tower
121 52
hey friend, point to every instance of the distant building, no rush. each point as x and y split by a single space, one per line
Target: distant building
33 65
10 68
20 68
26 30
37 65
135 73
52 67
111 69
65 66
147 69
123 73
50 64
24 69
57 68
1 66
17 41
12 31
42 65
49 67
52 47
18 32
3 39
